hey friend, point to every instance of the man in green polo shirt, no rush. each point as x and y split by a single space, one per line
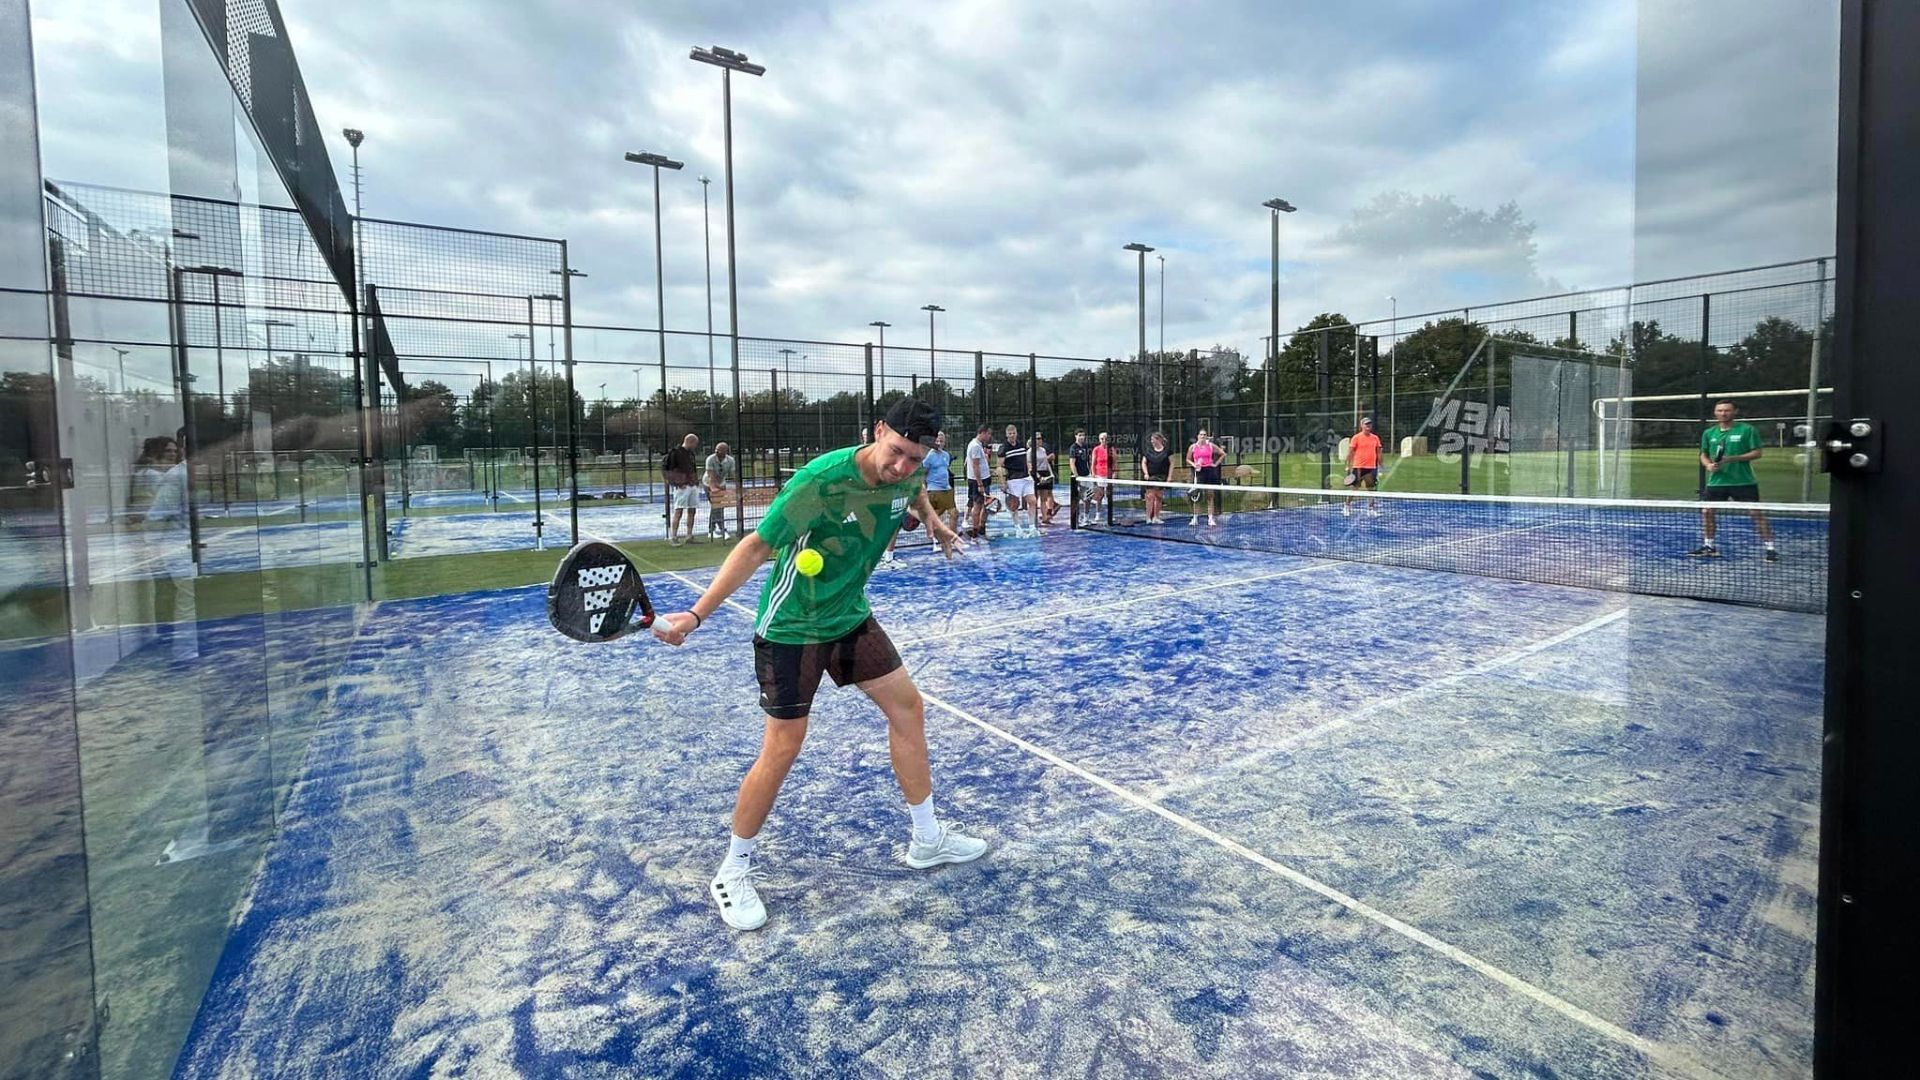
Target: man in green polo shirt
1727 451
845 505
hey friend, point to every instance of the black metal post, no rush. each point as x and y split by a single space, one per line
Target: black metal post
573 428
1706 360
1033 395
533 413
866 421
774 375
1324 362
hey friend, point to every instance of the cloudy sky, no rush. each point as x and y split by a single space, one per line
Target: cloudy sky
993 157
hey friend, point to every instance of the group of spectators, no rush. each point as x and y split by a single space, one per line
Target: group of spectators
719 477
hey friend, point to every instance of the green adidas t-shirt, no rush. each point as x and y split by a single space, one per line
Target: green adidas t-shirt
830 507
1718 443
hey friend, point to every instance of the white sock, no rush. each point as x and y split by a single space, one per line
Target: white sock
739 852
925 828
1708 542
1769 545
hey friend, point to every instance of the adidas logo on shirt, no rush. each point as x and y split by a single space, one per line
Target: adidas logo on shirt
852 519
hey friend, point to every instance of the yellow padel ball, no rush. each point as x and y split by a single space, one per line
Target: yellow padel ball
808 562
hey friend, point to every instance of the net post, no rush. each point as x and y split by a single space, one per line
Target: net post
1466 470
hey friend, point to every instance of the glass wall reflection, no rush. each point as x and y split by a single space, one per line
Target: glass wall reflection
183 550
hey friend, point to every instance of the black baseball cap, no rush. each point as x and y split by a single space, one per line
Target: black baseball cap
914 419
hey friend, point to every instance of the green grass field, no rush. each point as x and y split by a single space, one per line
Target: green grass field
1648 474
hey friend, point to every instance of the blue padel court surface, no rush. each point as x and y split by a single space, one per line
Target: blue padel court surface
1250 815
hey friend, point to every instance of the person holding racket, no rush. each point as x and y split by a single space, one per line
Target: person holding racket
1016 462
814 620
1104 461
1043 479
1727 451
722 479
1080 465
979 475
1156 464
1363 467
1203 460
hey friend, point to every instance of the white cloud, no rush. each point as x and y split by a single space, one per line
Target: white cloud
994 157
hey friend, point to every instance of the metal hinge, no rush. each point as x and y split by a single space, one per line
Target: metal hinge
46 473
1851 446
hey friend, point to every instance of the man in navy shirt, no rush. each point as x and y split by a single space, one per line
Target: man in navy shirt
1015 460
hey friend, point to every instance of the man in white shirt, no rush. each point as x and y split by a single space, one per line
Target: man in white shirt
978 470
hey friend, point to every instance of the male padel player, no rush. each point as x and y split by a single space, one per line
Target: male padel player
1015 460
1080 465
1363 464
1727 452
979 474
845 505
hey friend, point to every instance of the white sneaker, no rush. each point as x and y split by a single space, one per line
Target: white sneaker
1211 523
951 847
1195 523
1373 511
733 890
1346 511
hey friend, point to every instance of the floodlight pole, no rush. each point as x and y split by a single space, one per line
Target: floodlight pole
728 62
706 238
1160 361
932 361
883 355
533 413
658 162
1141 250
1277 206
567 274
1393 375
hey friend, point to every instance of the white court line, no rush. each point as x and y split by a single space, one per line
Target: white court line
1297 738
1315 567
1642 1045
1653 1051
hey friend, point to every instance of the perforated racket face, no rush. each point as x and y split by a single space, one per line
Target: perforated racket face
594 594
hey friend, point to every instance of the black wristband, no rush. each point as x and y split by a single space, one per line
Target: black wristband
697 620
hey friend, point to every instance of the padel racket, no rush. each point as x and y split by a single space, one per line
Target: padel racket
1352 478
597 595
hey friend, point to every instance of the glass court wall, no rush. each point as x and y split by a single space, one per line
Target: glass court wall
168 634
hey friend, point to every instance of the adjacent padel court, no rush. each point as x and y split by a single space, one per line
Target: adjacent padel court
1251 813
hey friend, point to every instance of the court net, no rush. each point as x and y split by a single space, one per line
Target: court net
1625 545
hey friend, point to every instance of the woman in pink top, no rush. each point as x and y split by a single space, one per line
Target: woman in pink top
1103 458
1203 459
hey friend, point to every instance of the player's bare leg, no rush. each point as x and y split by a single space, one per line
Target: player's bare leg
906 713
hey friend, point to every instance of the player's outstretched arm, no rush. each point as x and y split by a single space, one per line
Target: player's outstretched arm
745 558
